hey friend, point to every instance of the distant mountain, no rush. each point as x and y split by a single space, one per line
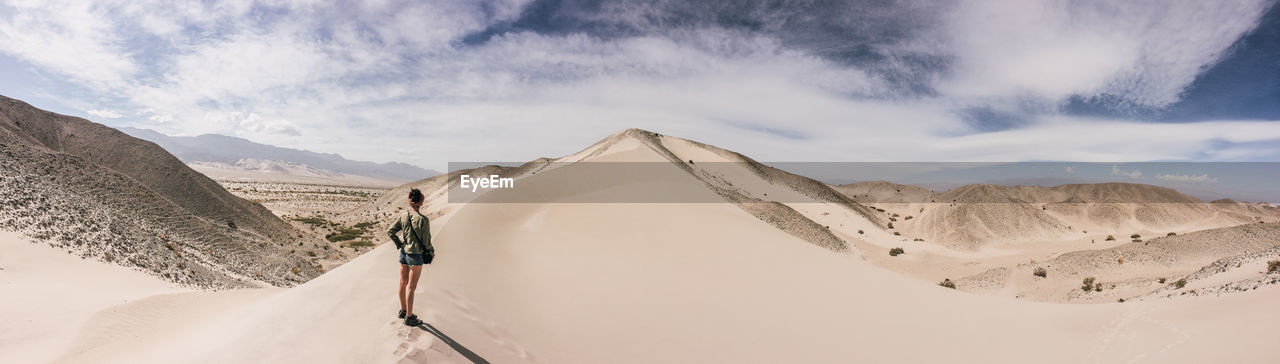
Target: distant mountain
213 148
92 190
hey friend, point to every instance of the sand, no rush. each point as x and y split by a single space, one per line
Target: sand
643 283
48 295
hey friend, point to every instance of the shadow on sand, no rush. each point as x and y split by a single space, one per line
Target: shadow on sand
471 355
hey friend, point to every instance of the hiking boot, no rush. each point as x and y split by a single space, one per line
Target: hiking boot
412 321
401 315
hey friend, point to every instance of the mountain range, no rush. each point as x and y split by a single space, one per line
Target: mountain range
240 153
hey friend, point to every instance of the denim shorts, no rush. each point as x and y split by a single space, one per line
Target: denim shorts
415 259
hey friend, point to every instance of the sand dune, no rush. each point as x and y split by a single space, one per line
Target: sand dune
568 281
643 283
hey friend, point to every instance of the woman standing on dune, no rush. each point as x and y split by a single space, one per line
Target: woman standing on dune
412 235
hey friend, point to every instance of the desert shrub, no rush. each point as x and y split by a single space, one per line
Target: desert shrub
1121 260
895 215
1120 300
358 243
341 236
311 254
895 251
917 239
1135 236
895 233
1273 266
311 221
363 225
1097 287
1182 282
1137 240
860 231
948 283
907 218
1161 280
1040 272
1171 234
1088 284
880 210
893 219
891 225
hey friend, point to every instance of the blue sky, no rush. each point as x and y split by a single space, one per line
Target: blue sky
432 82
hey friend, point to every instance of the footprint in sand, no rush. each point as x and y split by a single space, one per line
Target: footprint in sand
415 346
497 333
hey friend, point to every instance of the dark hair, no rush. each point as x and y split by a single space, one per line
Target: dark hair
415 195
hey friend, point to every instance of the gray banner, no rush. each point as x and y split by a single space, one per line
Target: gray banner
863 182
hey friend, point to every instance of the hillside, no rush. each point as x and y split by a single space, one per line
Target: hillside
1136 269
101 194
231 152
972 217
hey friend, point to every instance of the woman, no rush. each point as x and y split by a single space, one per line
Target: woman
412 235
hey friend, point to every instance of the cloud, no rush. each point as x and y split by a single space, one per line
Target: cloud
161 119
104 113
1144 53
1204 178
1134 174
67 37
254 123
495 80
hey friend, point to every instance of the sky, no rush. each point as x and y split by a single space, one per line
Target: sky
432 82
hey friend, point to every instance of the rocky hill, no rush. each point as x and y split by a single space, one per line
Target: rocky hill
99 193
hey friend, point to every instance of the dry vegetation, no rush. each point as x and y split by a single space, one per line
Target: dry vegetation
301 199
97 193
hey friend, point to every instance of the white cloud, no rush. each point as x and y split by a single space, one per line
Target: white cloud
72 38
256 124
161 119
1134 174
354 80
1147 52
104 113
1204 178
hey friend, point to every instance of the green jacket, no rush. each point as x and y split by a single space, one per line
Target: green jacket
408 229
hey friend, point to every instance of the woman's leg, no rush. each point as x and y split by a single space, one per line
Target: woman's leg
404 281
414 273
